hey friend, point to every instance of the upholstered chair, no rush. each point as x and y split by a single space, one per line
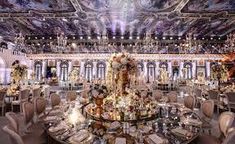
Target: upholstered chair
207 110
189 102
214 95
230 139
39 107
172 96
14 137
13 120
231 100
226 120
2 101
55 100
36 92
23 97
28 114
157 94
71 96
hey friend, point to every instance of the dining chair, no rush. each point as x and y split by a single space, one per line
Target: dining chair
189 102
2 101
207 110
214 95
230 139
157 94
231 100
28 114
226 120
14 122
172 96
55 100
39 107
23 97
71 96
14 137
36 92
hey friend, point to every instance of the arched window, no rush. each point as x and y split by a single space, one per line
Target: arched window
151 71
64 68
140 68
38 70
101 70
188 71
88 71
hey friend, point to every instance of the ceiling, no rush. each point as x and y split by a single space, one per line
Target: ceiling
117 17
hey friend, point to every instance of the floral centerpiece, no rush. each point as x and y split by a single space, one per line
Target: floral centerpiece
73 76
219 72
120 70
18 73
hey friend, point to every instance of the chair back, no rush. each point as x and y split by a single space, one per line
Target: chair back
230 139
189 102
226 120
231 99
213 94
157 94
172 96
14 122
71 96
198 92
39 105
24 94
37 92
207 108
15 138
28 112
55 100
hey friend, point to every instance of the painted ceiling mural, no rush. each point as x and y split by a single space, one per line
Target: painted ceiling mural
99 17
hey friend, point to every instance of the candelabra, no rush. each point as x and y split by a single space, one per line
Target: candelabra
61 42
19 42
230 42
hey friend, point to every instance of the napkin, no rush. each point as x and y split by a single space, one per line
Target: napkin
156 139
79 137
181 132
120 141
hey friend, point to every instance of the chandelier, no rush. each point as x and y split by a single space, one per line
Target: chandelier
230 42
19 42
61 42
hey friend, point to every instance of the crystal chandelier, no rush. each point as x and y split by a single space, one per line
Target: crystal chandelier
230 42
19 42
61 42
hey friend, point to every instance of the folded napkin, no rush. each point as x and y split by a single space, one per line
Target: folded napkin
156 139
181 132
79 137
120 141
193 122
50 118
115 125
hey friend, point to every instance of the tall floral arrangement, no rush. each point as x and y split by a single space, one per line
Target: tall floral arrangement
122 67
219 72
18 73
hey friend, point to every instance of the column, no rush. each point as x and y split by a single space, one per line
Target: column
94 76
82 68
145 71
157 69
44 68
194 69
70 67
58 62
208 69
180 70
169 68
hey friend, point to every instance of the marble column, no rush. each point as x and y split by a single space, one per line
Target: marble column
181 68
94 75
157 69
170 68
44 65
58 62
208 69
70 68
194 69
82 69
145 70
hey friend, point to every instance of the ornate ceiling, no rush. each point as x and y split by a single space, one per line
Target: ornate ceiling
117 17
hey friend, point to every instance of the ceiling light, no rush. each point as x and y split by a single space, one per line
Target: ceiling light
89 37
171 38
98 37
122 37
50 37
36 37
73 37
43 38
114 37
130 37
203 38
138 37
164 38
211 38
194 38
81 37
28 37
219 38
179 38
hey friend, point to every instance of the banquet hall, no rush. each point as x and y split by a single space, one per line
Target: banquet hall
117 71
